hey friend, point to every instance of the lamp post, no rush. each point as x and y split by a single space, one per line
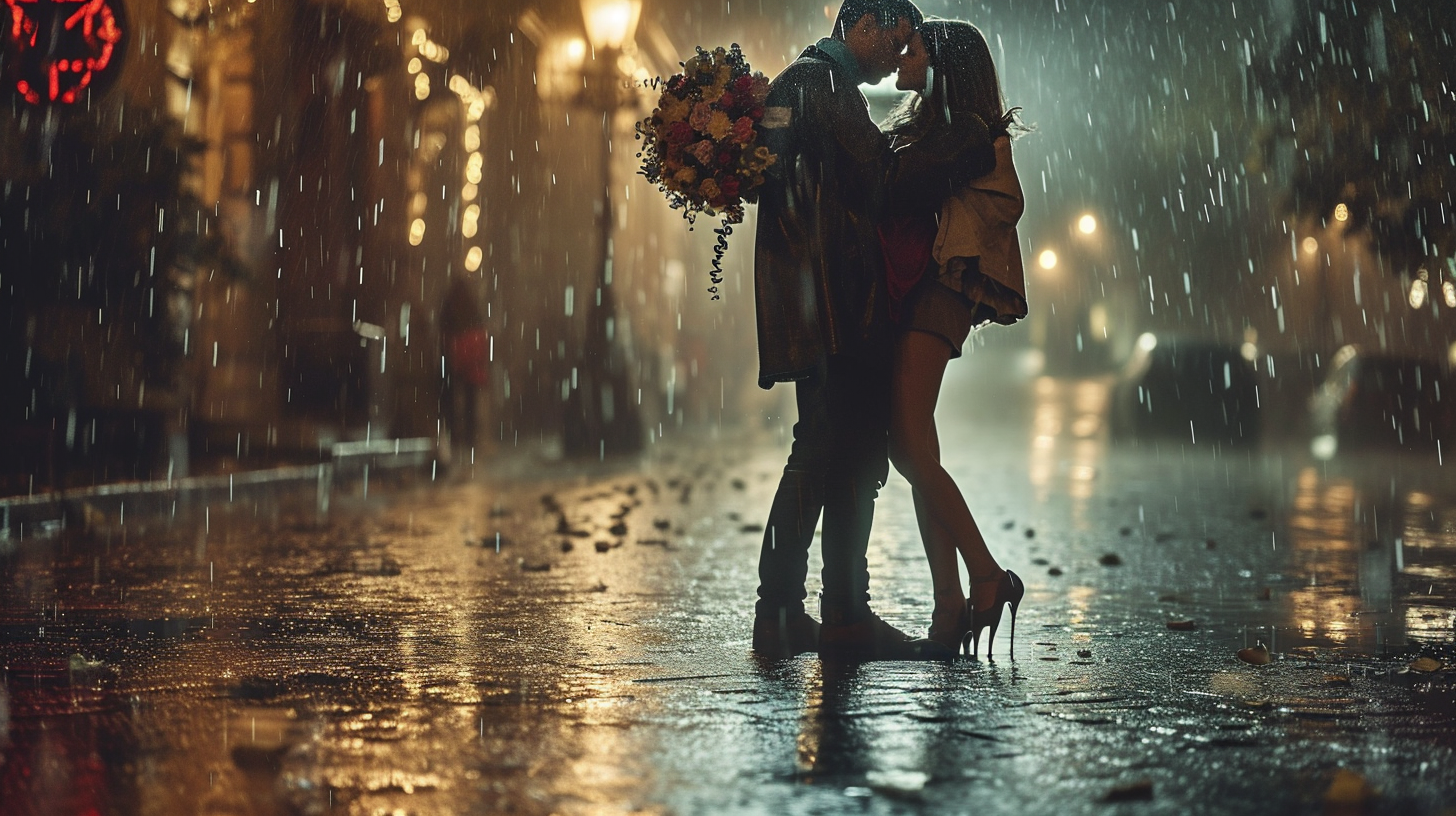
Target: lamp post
602 412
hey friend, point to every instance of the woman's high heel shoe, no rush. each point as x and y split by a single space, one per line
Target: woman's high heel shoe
1009 590
952 636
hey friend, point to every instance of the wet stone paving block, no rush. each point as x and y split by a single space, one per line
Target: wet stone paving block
435 649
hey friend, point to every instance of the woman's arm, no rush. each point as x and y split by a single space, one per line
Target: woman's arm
921 174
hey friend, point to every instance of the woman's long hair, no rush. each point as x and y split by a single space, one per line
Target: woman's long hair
964 79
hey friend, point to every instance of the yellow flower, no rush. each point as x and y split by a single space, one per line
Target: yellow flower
723 75
720 126
686 176
709 189
673 109
760 88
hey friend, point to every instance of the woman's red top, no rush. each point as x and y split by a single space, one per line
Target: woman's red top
907 242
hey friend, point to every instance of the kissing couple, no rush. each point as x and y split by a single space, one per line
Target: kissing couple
879 248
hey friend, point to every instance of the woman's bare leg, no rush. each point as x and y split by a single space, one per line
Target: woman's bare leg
946 524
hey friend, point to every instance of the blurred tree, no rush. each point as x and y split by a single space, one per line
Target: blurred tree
101 237
1361 111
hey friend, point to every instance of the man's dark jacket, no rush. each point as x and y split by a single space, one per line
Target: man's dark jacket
818 268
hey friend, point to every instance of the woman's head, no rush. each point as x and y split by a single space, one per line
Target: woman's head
952 58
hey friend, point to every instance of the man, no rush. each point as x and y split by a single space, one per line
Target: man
822 324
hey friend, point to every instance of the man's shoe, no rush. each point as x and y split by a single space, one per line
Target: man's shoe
869 638
784 635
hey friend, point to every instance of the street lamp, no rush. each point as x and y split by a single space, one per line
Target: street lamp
602 413
610 23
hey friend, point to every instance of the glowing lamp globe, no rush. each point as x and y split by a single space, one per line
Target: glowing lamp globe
610 23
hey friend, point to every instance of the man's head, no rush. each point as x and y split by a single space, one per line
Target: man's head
876 31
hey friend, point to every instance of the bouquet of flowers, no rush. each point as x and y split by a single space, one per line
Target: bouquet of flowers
700 145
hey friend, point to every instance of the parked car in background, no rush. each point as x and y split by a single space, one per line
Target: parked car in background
1197 391
1376 401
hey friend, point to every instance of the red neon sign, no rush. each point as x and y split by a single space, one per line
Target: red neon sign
57 48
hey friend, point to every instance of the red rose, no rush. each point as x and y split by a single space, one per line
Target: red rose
743 130
725 101
757 113
723 159
679 133
729 187
744 84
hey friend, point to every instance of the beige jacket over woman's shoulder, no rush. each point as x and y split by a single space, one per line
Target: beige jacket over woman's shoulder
979 221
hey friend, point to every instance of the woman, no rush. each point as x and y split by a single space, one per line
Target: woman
953 262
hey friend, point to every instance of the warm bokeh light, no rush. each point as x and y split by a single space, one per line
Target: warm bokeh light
1448 289
422 86
415 65
417 232
610 23
1342 213
1418 294
469 222
1310 246
1047 259
473 259
1087 224
1097 322
472 138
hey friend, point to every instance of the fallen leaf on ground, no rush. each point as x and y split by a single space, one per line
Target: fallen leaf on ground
1183 625
1426 664
527 566
1256 655
1110 560
1084 653
1054 571
1348 792
1140 790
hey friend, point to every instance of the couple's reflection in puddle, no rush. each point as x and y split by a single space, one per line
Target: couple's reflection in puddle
892 726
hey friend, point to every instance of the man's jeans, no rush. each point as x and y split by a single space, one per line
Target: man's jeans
837 463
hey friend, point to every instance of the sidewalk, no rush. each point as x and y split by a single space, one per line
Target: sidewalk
577 642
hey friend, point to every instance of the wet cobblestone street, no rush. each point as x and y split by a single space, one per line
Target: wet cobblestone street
546 639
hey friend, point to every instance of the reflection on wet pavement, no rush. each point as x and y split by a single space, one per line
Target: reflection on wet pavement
577 641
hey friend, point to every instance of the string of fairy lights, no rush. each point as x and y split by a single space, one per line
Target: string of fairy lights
474 102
